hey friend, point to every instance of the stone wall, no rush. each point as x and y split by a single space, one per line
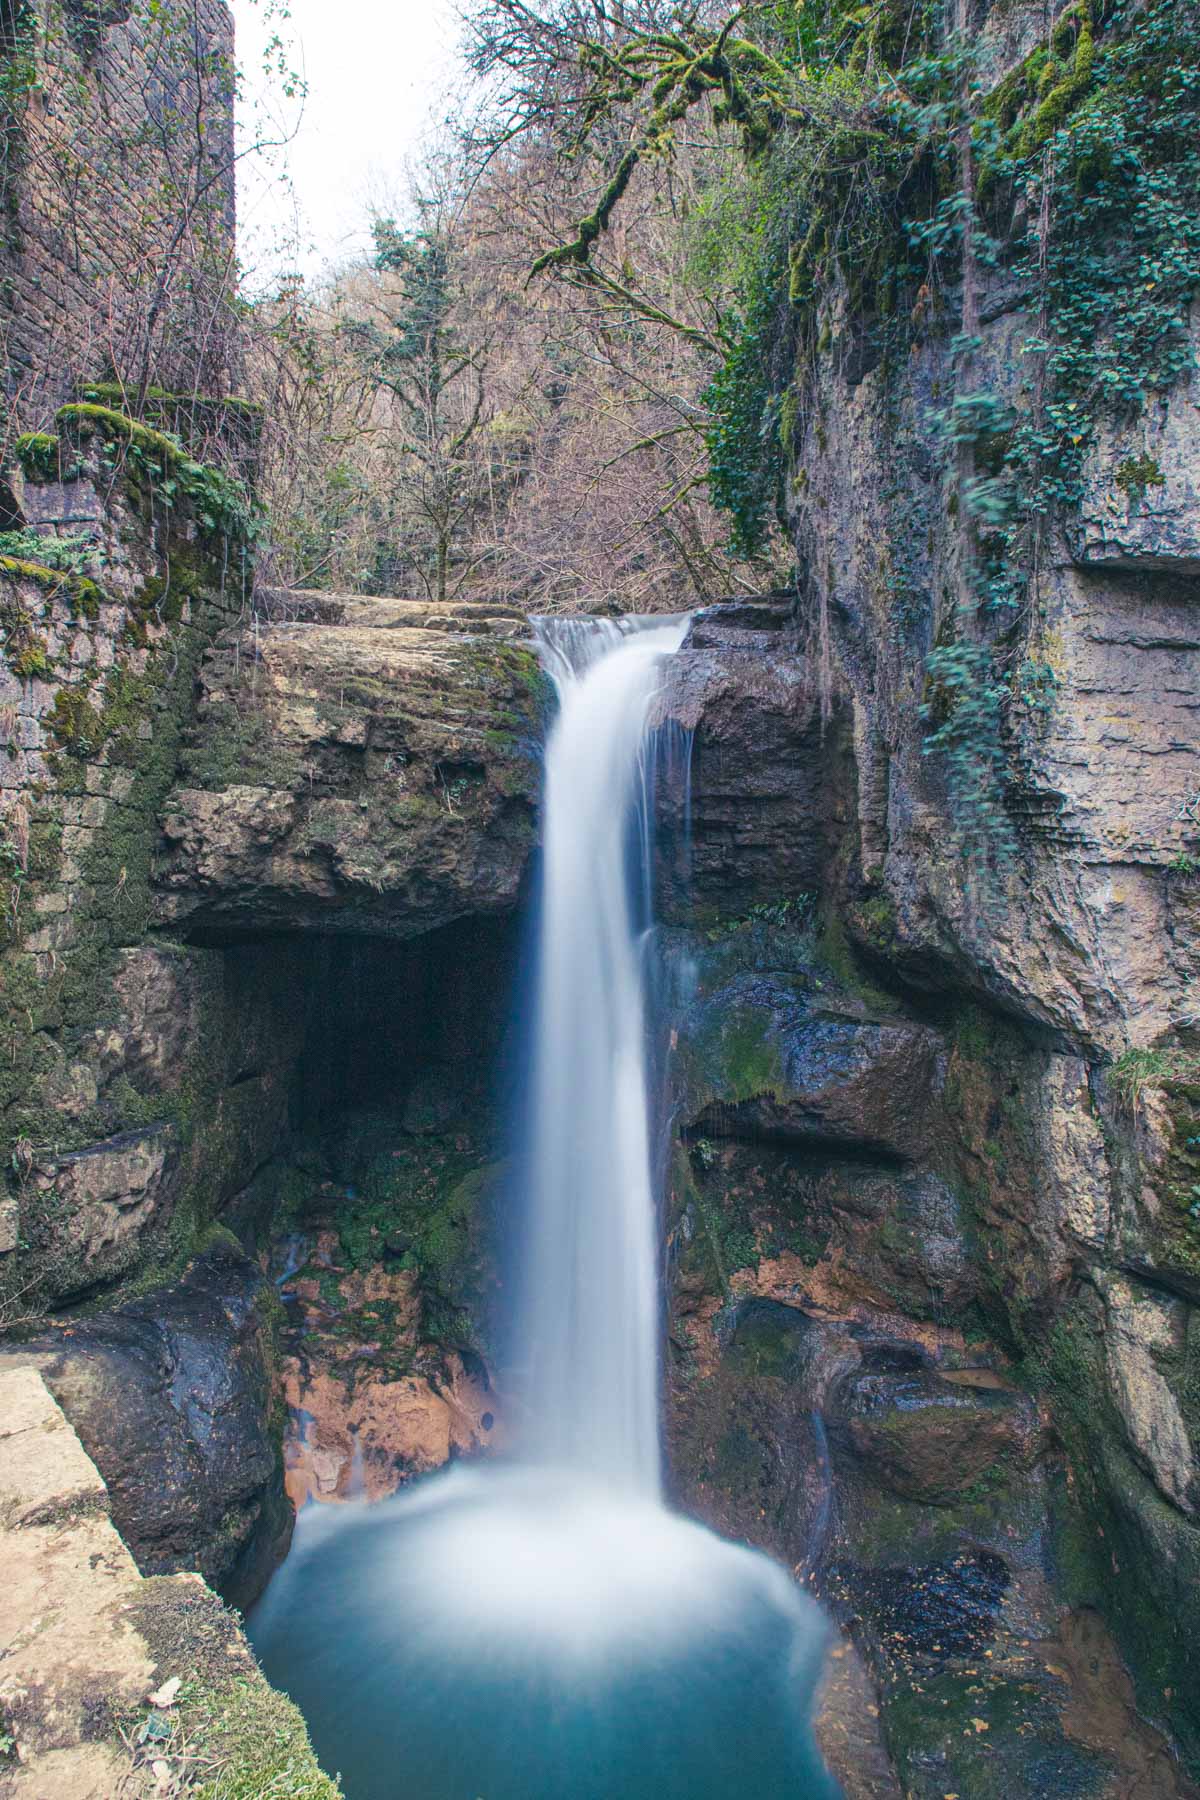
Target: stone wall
118 179
96 682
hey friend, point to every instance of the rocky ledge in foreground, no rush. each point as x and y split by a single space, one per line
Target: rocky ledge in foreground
113 1684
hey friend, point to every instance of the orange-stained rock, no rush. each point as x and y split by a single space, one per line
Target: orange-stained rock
367 1433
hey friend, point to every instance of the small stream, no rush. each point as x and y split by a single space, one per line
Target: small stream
548 1628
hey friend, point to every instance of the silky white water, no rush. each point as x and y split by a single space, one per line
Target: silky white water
549 1630
590 1314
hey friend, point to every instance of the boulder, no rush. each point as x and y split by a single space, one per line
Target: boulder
930 1438
765 783
94 1206
171 1398
770 1056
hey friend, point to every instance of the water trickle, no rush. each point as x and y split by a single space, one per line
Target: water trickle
549 1630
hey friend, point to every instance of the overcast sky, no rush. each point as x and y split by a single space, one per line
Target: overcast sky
378 74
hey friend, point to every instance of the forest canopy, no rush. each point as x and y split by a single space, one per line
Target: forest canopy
575 369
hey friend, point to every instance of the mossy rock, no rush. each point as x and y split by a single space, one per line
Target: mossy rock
252 1741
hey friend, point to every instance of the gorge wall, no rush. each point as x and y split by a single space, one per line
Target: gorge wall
1074 956
1003 957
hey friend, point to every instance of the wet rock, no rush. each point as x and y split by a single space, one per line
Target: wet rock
930 1438
897 1239
1142 1329
848 1728
747 1444
939 1609
171 1398
202 1043
1029 1718
773 1057
361 1432
769 781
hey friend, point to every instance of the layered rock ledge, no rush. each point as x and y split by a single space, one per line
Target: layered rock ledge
355 765
111 1683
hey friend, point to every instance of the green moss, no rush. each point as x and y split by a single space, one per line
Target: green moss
427 1202
84 594
26 651
875 920
989 1735
113 394
748 1054
839 958
1060 80
37 453
158 461
76 725
1136 474
82 417
134 722
236 746
248 1741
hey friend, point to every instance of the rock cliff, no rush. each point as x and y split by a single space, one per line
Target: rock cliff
942 1089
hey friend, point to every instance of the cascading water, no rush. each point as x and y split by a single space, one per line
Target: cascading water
549 1630
590 1318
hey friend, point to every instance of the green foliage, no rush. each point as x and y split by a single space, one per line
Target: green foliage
964 711
823 203
1136 474
219 500
745 446
1137 1070
70 554
37 453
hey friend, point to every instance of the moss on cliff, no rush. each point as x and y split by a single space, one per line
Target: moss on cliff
114 740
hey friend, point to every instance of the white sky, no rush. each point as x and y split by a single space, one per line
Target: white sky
379 73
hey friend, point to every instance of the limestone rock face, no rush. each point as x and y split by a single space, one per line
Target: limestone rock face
1061 961
928 1437
1141 503
356 765
1146 1330
103 1198
770 784
787 1056
170 1395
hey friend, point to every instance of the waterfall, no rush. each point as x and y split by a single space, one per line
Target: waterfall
547 1629
590 1314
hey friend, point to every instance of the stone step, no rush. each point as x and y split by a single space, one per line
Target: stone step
85 1640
